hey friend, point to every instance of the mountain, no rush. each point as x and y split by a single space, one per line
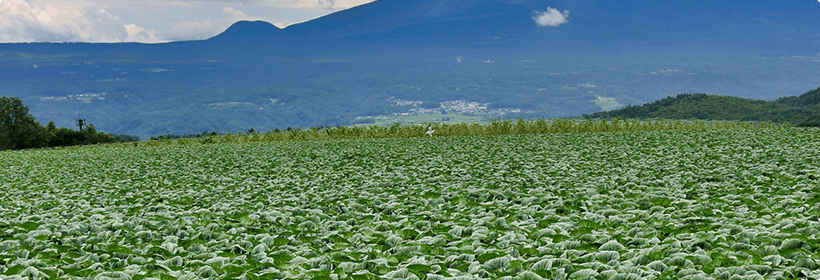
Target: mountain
246 31
424 60
803 110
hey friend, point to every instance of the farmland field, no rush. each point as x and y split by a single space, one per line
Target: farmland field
676 204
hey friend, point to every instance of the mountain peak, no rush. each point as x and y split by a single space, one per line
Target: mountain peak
248 30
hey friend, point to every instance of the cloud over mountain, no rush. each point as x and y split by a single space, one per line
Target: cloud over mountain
551 17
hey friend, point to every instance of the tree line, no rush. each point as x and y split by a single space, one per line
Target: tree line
19 130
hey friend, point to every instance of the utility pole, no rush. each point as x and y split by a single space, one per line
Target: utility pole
81 123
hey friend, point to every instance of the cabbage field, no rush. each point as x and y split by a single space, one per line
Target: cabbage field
676 204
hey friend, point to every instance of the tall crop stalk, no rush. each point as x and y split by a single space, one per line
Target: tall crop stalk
495 127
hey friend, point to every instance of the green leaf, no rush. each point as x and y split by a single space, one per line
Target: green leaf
419 268
29 226
486 257
15 269
364 276
160 251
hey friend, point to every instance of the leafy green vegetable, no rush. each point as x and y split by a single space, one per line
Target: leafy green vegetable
618 205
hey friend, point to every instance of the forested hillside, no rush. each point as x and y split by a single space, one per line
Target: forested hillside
803 110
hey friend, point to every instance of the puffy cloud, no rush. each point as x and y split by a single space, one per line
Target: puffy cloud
551 17
59 21
139 34
232 12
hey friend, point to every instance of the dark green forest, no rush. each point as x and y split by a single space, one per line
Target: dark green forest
803 110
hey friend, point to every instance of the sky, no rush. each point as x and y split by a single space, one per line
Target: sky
148 21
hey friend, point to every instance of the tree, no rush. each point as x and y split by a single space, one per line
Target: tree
50 127
67 137
18 130
90 129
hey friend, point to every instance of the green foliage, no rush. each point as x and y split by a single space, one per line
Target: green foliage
801 111
669 204
18 130
808 99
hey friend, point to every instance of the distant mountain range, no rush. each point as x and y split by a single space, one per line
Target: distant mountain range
424 60
803 110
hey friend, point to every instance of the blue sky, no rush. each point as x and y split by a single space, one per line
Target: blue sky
148 21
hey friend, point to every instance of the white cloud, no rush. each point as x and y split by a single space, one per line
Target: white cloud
551 17
59 20
232 12
235 15
139 34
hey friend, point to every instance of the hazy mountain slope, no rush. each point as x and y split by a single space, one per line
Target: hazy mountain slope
379 61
